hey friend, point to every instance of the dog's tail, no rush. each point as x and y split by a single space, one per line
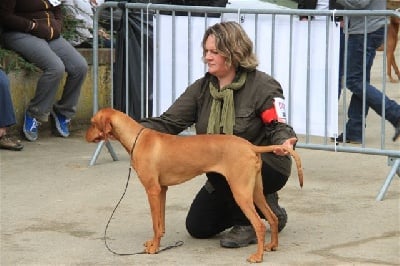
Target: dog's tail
296 157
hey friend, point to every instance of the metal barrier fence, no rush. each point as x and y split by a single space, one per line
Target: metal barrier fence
166 69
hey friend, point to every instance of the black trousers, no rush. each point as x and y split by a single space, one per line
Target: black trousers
214 209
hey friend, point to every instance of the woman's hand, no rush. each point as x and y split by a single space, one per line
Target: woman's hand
288 143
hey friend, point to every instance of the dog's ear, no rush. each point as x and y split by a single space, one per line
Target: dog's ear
107 126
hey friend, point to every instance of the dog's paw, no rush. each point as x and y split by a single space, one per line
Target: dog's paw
255 258
151 247
270 247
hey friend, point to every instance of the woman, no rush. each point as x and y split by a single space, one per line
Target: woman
32 28
233 97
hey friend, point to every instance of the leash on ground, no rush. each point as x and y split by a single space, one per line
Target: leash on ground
177 243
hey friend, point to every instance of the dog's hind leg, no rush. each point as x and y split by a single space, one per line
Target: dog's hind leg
396 69
391 62
243 195
390 50
247 206
163 202
262 205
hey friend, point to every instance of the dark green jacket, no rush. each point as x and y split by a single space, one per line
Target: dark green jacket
194 105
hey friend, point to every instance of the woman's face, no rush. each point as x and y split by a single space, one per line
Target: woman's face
215 61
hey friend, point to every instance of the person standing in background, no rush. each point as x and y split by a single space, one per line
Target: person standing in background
83 11
355 70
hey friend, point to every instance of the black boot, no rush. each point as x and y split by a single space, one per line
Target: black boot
239 236
272 200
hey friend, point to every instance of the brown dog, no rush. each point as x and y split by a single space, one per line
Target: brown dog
391 44
161 160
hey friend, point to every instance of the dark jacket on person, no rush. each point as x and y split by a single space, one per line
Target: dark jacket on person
312 4
256 96
19 15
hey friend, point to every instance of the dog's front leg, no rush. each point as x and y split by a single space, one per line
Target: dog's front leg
154 197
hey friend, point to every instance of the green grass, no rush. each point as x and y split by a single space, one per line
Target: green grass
286 3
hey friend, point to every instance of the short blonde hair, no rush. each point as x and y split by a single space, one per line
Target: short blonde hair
233 43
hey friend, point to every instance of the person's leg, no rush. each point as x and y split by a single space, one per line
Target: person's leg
214 210
7 117
354 84
242 233
38 52
76 68
208 214
373 95
224 192
274 181
354 124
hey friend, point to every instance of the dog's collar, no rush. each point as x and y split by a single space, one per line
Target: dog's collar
137 136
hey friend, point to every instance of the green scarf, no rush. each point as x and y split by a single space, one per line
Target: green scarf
222 113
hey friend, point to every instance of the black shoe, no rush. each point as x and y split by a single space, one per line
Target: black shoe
339 139
239 236
272 200
396 131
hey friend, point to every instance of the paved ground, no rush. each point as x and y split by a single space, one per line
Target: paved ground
54 209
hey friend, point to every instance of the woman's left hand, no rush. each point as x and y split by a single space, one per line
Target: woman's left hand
288 143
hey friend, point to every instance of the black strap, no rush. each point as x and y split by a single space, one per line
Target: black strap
134 143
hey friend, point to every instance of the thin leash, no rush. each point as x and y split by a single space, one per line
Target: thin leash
177 244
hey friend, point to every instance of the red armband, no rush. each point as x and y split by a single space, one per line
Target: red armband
275 113
269 115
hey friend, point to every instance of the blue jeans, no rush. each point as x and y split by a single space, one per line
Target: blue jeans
355 84
7 115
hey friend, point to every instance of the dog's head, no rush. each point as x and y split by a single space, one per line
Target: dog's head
101 127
